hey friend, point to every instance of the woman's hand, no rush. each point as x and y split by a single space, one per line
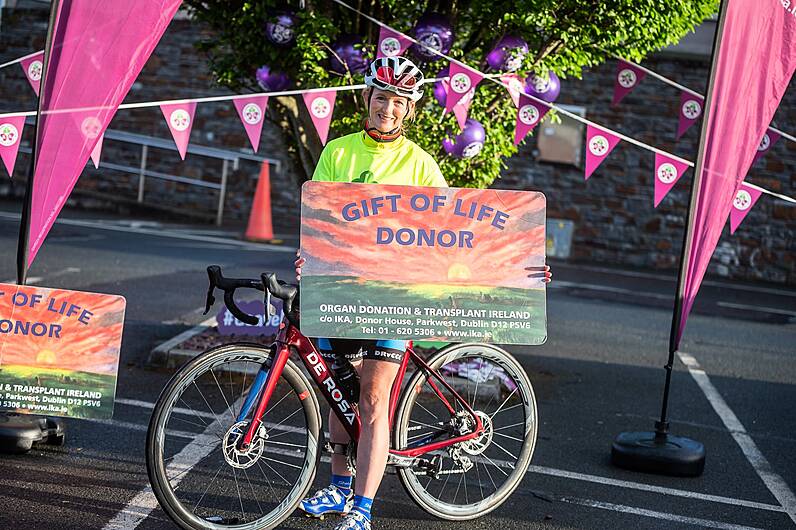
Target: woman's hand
298 263
543 273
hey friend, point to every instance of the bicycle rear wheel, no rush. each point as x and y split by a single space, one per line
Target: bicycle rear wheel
198 475
476 476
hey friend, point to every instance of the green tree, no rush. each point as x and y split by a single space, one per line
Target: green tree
565 36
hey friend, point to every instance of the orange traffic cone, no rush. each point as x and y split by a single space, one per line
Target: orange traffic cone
260 228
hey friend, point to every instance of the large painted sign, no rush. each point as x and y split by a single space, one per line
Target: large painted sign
59 351
409 262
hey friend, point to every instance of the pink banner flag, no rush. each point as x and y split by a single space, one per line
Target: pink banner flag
461 109
753 62
514 85
391 43
628 76
10 137
97 51
179 117
462 80
599 143
529 114
97 152
667 172
745 199
252 114
770 137
321 105
690 112
33 67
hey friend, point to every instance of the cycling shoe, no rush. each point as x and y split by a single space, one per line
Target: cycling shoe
354 521
328 501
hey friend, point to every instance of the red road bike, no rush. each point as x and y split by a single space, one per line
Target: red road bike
236 435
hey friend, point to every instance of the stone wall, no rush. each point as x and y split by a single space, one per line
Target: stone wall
615 223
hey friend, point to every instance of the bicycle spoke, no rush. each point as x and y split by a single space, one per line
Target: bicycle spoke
490 476
496 466
458 487
502 404
505 410
509 426
206 403
270 486
504 449
435 427
428 411
204 423
196 506
280 462
240 499
507 436
254 494
221 391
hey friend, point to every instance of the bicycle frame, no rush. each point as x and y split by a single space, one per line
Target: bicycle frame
290 338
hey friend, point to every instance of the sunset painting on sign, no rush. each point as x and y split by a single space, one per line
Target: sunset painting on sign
371 245
61 339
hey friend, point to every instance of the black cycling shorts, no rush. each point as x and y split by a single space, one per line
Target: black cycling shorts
355 349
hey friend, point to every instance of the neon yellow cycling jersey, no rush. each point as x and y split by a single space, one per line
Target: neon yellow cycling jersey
357 157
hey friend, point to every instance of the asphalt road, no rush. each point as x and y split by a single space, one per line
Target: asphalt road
600 373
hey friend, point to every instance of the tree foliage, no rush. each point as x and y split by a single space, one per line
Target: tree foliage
566 36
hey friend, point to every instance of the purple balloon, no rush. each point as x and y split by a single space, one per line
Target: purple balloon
436 32
545 88
349 49
468 143
270 80
281 28
508 54
439 91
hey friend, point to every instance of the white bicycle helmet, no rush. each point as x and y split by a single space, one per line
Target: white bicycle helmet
396 74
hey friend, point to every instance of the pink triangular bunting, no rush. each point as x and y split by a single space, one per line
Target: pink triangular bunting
391 43
529 114
599 143
628 76
33 68
10 136
514 85
667 172
462 80
320 105
252 115
97 151
769 139
179 118
745 199
690 111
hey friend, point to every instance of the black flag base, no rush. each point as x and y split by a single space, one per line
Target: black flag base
19 432
658 452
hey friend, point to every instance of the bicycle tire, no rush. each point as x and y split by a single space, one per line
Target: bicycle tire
172 402
413 482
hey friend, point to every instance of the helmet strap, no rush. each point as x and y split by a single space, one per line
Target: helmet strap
380 136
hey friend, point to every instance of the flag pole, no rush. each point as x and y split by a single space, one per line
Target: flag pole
18 431
659 451
24 224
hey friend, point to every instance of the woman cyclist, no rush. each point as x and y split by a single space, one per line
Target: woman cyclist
380 154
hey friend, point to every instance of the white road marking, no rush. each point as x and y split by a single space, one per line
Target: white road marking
240 245
775 483
31 280
757 308
609 289
704 523
566 474
654 489
712 283
185 335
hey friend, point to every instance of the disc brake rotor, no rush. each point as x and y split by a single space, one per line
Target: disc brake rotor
478 445
243 459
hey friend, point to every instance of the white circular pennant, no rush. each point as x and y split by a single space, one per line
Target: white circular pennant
667 173
472 149
321 108
529 114
692 109
9 134
598 145
90 127
252 113
743 200
541 84
627 78
390 47
765 143
34 70
461 83
180 119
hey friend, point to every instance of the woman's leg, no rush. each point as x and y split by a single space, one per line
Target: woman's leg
338 435
376 379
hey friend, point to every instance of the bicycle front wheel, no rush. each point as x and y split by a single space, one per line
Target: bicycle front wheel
198 474
474 477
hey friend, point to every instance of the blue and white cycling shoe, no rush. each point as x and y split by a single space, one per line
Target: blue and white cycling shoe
328 501
355 520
